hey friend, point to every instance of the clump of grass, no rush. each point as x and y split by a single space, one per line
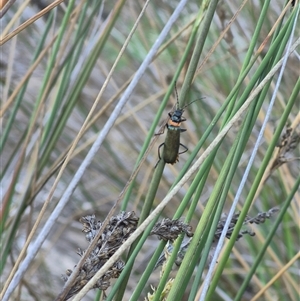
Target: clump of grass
63 71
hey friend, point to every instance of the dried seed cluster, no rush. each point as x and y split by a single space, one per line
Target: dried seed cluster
232 224
168 251
289 141
118 230
259 219
169 229
115 233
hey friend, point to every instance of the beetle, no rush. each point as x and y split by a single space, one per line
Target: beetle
172 142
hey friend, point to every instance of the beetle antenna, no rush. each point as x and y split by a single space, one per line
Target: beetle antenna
193 101
177 103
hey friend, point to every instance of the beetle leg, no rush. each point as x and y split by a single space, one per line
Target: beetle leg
186 149
159 151
161 132
159 158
